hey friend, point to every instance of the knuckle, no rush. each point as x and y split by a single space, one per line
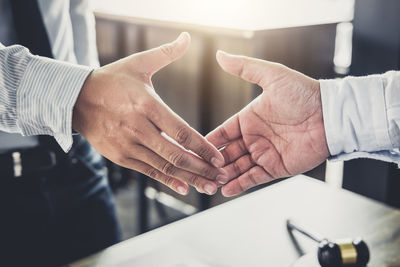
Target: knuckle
168 51
204 152
168 169
183 136
248 160
236 168
170 182
146 105
194 180
226 155
151 173
153 113
241 71
252 176
280 66
242 145
255 156
242 186
224 134
198 183
179 160
207 172
134 131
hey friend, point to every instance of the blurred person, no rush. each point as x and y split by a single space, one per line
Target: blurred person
298 122
57 207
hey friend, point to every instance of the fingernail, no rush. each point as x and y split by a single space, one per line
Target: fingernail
182 190
210 189
217 162
222 179
181 37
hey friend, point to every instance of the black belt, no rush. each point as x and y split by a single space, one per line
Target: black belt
26 161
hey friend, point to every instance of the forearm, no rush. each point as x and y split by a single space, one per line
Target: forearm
37 94
361 116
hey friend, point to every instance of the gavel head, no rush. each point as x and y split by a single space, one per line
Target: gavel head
343 253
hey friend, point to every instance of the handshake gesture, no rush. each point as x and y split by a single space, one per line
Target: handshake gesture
279 134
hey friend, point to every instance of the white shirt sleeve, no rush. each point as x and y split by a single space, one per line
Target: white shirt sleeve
84 32
362 116
37 94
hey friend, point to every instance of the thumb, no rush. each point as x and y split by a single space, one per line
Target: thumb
250 69
155 59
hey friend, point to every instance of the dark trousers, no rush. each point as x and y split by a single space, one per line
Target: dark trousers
56 217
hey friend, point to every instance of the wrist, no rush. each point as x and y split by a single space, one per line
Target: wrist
320 140
82 103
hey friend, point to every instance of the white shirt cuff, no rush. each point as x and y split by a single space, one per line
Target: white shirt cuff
46 97
354 113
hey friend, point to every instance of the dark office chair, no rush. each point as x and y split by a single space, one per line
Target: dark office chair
376 49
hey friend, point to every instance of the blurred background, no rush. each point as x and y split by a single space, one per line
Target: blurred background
321 38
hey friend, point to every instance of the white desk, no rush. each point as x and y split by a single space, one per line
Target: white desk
251 230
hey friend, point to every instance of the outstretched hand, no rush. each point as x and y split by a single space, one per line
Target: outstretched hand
280 133
122 116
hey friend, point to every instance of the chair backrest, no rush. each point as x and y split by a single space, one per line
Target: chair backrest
376 49
376 39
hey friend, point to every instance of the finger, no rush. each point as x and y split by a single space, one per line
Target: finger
154 160
225 133
176 155
176 128
237 168
249 179
155 59
251 69
175 184
234 150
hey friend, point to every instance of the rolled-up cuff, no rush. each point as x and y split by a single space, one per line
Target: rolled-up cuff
46 97
387 156
354 113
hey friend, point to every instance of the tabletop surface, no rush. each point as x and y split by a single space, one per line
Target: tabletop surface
251 230
246 15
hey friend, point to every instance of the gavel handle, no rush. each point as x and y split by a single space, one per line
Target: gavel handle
291 227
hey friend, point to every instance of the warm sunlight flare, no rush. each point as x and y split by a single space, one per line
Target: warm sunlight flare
234 14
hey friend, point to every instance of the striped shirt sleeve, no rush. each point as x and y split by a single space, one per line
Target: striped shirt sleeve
37 94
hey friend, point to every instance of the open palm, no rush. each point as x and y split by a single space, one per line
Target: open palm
280 133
